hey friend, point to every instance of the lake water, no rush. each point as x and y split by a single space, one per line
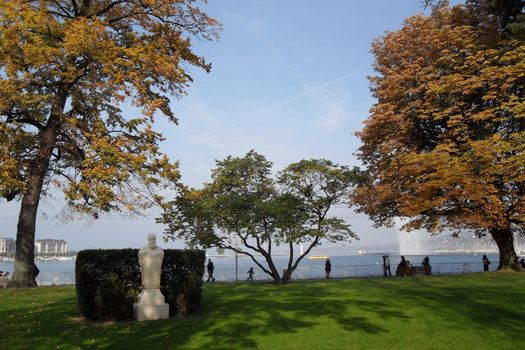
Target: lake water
343 266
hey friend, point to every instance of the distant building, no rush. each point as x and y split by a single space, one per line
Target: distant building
7 245
42 246
50 246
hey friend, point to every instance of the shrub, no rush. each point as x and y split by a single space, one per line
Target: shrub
113 300
108 282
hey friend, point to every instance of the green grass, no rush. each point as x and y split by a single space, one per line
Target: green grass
477 311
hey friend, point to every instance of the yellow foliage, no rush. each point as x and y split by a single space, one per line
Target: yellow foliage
445 143
64 69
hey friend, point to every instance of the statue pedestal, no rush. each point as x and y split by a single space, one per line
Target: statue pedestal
151 306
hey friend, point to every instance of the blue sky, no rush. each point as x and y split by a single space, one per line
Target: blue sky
288 80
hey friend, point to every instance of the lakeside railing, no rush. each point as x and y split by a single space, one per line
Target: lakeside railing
56 278
48 278
348 271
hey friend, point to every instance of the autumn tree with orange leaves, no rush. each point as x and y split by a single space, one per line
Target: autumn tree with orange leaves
65 68
445 143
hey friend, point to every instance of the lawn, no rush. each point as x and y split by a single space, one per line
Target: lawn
476 311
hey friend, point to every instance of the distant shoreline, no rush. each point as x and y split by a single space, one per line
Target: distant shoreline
43 257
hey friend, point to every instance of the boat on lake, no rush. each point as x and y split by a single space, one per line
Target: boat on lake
313 257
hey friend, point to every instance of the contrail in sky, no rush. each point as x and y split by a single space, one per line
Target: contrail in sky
308 92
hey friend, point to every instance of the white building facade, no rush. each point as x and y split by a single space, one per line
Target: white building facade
7 245
50 246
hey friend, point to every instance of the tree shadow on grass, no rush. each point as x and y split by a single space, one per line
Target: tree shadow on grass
228 320
287 310
234 316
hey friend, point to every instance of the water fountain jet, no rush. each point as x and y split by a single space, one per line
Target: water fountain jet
410 242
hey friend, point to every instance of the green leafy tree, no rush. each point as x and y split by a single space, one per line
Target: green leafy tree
65 67
243 205
492 19
444 144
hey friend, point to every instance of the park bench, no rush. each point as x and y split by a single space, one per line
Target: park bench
3 281
415 270
422 270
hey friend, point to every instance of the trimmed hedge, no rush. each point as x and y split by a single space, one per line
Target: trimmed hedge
108 282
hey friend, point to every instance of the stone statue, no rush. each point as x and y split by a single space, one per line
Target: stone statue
151 305
150 260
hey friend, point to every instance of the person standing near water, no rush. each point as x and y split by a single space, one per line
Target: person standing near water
328 268
486 263
386 266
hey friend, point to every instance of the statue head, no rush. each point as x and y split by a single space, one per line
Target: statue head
152 241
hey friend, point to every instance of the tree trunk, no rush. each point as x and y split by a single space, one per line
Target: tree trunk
287 275
23 275
507 254
274 272
24 272
291 267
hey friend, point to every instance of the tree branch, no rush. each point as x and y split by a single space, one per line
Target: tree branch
25 120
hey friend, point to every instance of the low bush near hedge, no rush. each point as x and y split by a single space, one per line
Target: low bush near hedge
108 282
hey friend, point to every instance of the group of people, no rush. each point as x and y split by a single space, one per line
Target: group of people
210 267
403 266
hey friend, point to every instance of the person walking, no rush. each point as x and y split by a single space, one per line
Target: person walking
210 267
486 263
328 267
250 274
